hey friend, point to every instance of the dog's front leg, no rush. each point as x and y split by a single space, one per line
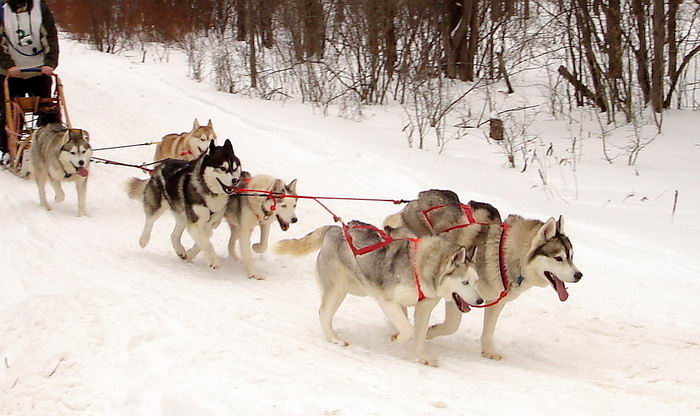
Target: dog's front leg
40 178
59 195
491 315
395 314
247 253
261 247
81 189
453 317
176 239
201 232
421 317
232 241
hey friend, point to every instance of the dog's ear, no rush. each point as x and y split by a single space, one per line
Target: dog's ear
195 126
227 146
292 186
456 259
209 124
560 225
66 137
212 147
547 231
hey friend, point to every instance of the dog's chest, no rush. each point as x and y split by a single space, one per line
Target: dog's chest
216 203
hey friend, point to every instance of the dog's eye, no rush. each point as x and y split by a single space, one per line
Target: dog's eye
73 152
466 283
222 169
557 258
204 139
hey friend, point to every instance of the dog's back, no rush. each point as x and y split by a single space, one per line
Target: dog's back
174 146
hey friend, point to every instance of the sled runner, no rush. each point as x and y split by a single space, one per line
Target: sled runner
22 116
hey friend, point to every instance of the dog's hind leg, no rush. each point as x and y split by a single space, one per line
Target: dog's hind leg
330 302
176 237
395 314
453 317
261 247
81 189
491 315
59 195
40 178
152 216
421 317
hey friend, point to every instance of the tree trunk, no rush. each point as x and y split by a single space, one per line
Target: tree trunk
657 68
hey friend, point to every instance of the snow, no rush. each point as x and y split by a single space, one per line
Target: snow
90 324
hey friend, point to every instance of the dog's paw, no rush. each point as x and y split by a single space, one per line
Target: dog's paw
400 338
143 242
83 213
256 277
46 207
182 254
339 342
259 248
491 355
215 266
59 197
432 362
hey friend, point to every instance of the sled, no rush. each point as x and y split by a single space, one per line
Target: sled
21 119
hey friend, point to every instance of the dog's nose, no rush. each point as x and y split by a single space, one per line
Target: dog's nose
81 163
479 301
578 276
294 220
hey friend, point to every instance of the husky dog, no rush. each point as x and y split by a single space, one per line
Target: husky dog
245 212
439 211
61 154
186 146
535 254
398 274
196 192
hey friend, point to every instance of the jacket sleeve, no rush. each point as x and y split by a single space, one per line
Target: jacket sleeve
6 60
51 57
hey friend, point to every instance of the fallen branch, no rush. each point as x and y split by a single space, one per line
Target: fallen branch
56 368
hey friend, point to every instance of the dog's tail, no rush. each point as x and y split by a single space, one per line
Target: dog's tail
136 187
305 245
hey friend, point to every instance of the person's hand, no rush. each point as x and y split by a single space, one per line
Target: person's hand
47 70
13 72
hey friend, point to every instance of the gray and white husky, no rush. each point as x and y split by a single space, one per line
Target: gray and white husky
60 154
246 212
196 192
535 253
404 272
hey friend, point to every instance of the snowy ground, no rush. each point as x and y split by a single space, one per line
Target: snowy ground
90 324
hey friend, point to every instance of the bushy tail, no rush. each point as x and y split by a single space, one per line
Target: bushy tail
136 187
299 247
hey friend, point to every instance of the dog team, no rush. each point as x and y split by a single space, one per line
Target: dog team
434 248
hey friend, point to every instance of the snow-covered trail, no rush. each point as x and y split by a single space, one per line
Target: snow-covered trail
92 324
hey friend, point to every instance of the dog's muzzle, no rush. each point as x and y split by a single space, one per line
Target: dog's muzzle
230 190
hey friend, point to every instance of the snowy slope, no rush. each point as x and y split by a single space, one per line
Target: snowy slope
90 324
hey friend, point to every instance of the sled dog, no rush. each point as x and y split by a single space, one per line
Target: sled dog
245 212
188 145
535 254
196 191
402 273
60 154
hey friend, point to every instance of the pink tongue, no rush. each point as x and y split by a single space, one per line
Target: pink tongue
461 303
561 290
83 172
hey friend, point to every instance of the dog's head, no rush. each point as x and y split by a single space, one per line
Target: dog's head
458 278
200 137
221 168
550 259
285 207
75 153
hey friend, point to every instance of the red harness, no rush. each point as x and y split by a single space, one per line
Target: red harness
385 241
501 246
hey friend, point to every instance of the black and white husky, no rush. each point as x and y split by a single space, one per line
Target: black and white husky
60 154
196 192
